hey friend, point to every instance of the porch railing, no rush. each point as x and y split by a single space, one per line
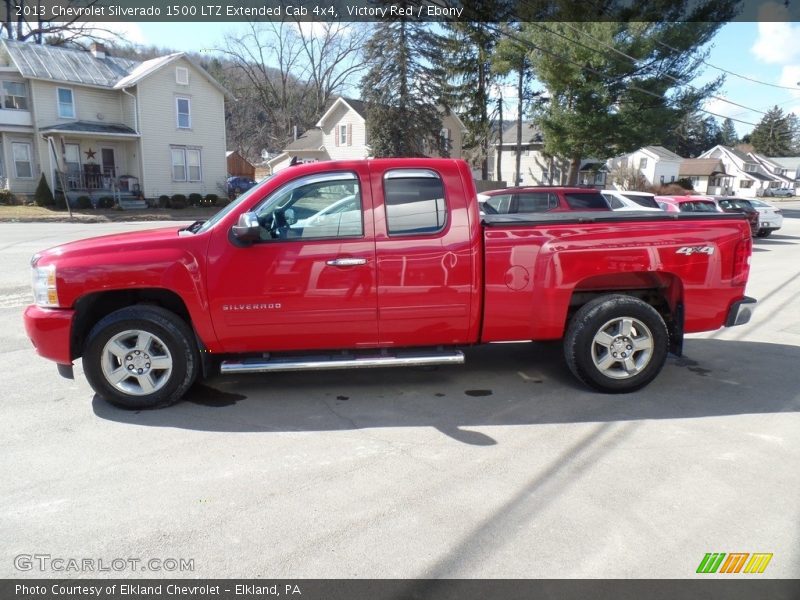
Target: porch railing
76 181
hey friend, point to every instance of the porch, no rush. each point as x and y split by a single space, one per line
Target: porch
123 190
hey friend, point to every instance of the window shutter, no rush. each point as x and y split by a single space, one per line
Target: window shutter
349 134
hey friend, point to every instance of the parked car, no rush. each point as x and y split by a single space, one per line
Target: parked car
770 217
688 204
238 185
731 204
416 278
781 192
540 199
625 200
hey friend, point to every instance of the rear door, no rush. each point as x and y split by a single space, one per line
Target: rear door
425 259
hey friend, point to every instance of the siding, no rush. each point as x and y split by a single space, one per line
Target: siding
357 149
89 103
533 166
159 131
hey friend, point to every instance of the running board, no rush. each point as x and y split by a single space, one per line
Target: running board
338 361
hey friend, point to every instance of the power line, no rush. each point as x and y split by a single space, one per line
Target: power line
529 44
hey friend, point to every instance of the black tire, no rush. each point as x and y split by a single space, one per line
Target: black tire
762 233
172 341
583 349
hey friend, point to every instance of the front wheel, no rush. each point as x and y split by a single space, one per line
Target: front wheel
141 357
616 344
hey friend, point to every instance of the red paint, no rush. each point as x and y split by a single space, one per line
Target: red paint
413 290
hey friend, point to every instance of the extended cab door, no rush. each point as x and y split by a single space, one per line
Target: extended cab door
427 256
310 282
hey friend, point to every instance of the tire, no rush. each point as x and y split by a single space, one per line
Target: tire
762 233
141 357
621 325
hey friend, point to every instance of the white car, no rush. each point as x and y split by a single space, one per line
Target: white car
769 217
625 200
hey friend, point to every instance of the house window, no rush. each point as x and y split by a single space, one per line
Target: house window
66 103
444 140
672 178
642 163
342 135
23 168
181 75
186 164
15 95
414 202
662 180
184 110
72 159
746 183
750 168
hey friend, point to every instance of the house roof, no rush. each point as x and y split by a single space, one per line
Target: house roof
787 162
701 167
738 154
531 134
358 106
661 152
90 127
310 140
54 63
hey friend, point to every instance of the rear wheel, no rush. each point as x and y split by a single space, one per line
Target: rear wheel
616 344
141 357
762 233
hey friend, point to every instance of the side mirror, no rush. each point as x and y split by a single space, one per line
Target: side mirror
247 229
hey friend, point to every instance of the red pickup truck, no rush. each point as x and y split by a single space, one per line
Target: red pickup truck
382 263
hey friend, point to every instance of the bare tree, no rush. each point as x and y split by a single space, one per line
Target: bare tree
70 31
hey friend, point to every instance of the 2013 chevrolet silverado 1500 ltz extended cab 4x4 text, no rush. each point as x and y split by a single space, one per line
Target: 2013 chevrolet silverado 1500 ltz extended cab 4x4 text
376 263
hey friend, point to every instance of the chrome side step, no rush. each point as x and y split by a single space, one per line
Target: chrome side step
339 361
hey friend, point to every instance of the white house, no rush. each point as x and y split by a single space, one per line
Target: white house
782 176
748 178
656 164
102 125
707 175
341 134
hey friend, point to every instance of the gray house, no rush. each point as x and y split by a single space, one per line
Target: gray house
102 125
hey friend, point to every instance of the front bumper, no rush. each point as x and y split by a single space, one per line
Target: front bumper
740 311
49 329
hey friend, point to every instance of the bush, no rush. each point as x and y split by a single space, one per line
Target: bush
105 202
195 199
685 183
163 201
6 197
43 195
178 201
210 200
84 202
59 200
670 189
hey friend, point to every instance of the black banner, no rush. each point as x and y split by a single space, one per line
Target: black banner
394 589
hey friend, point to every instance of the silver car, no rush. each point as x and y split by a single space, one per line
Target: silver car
769 217
781 192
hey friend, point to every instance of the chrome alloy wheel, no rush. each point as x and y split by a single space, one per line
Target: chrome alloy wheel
622 348
136 362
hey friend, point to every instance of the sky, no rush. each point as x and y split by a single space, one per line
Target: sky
768 52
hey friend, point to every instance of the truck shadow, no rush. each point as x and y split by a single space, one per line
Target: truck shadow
514 384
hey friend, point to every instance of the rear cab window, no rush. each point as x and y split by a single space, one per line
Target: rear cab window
647 201
586 201
414 200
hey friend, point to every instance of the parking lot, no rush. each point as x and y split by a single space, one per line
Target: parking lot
505 467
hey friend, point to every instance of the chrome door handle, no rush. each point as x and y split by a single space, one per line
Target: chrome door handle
346 262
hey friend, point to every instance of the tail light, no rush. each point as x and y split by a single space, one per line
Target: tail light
741 261
777 211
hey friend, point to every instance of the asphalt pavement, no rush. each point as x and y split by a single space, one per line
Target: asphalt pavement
505 467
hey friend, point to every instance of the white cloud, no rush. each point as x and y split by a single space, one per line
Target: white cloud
116 31
777 42
790 77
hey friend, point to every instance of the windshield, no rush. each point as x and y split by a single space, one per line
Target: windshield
226 210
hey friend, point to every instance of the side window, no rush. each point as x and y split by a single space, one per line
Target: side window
414 201
534 202
314 207
500 203
613 201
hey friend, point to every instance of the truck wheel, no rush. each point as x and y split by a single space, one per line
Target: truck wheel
141 357
616 344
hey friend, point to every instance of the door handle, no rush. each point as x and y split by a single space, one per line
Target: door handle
346 262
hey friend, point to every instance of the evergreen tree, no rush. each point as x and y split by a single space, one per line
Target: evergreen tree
794 128
404 89
602 103
43 196
693 135
773 135
728 133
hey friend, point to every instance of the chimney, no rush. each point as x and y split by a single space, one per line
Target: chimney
98 50
294 131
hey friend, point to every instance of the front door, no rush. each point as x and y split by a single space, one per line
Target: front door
310 282
108 162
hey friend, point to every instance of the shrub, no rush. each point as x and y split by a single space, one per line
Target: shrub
105 202
43 195
163 201
210 200
195 199
6 197
685 183
59 200
178 201
670 189
83 202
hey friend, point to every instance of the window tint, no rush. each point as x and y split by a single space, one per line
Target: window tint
314 207
586 200
613 201
698 206
648 201
535 202
414 201
500 203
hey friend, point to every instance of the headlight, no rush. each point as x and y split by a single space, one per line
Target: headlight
44 286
